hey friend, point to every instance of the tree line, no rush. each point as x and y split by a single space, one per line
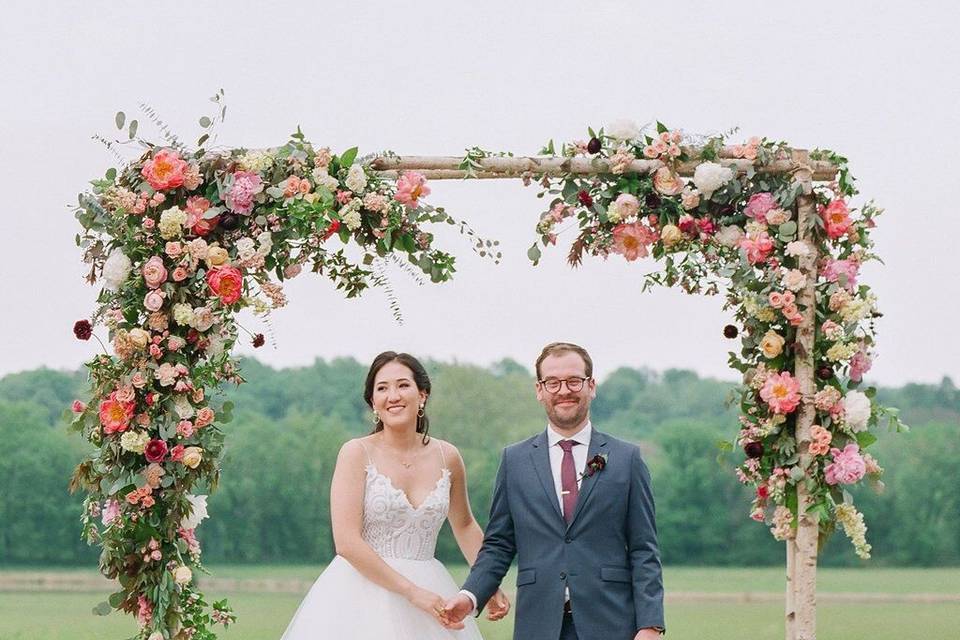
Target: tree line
273 501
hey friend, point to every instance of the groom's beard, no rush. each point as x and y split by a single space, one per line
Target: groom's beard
567 416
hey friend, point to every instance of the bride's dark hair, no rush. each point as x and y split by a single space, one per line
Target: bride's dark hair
420 379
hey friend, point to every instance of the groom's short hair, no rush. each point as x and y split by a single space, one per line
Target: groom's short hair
557 348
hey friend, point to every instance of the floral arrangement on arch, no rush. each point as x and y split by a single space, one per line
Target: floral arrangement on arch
739 229
181 240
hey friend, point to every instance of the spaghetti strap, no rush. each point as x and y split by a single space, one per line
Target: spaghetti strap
366 450
443 458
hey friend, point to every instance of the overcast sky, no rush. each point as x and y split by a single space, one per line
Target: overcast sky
872 81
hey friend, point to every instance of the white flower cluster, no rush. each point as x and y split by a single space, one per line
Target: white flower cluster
710 176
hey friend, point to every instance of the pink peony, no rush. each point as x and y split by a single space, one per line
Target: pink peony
115 415
836 268
757 246
246 185
632 240
847 467
410 187
226 283
154 273
781 392
165 170
759 204
836 218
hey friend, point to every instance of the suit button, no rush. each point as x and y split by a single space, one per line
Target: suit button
563 575
568 540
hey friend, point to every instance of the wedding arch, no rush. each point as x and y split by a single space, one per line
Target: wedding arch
183 237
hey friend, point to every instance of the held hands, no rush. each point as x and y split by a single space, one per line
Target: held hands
456 609
498 606
433 604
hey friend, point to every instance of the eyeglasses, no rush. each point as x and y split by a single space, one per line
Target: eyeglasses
573 384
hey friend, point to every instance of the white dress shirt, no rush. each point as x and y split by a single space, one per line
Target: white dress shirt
556 459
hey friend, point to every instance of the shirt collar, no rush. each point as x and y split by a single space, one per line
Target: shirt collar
582 436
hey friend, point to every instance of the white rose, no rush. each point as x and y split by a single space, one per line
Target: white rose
856 410
351 215
356 179
794 279
116 269
181 404
324 179
202 318
797 249
624 130
199 512
245 248
729 236
710 176
265 240
182 575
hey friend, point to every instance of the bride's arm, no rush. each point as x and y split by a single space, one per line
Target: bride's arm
346 514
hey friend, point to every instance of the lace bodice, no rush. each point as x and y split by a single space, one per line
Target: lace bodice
393 527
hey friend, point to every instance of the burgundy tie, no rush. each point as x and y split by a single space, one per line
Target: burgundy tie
568 479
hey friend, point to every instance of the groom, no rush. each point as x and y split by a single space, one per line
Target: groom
574 506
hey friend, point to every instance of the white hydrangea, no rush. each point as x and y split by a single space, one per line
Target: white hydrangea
856 410
797 249
171 223
183 314
857 309
116 269
623 130
356 179
710 176
256 161
199 512
134 441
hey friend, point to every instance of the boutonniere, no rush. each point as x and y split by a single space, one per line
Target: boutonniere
596 464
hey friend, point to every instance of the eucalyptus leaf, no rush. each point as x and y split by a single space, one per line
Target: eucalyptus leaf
120 119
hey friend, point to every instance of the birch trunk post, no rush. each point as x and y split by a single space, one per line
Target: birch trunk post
801 597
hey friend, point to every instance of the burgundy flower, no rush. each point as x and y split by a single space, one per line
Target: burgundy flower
824 372
258 340
596 464
730 331
753 449
585 199
229 221
652 201
593 146
82 329
155 451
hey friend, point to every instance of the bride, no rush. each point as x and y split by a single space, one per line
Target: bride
390 494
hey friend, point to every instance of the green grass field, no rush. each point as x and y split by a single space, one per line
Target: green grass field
66 616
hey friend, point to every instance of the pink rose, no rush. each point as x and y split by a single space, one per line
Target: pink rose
125 394
176 454
185 428
78 406
179 274
848 269
775 299
154 273
667 182
165 170
759 204
757 247
860 363
153 301
173 249
847 467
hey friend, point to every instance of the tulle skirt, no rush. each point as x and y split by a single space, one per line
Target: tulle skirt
342 604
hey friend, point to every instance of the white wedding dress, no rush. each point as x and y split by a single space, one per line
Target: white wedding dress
343 604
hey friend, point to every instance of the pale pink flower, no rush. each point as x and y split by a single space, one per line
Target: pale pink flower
860 363
78 406
847 467
154 273
411 186
166 374
185 428
775 299
173 249
757 246
631 240
153 301
820 440
847 268
179 274
111 511
667 182
781 392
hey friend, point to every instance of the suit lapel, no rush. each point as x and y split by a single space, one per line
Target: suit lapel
598 446
540 456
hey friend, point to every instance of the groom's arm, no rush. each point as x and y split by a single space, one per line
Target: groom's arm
499 544
644 552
